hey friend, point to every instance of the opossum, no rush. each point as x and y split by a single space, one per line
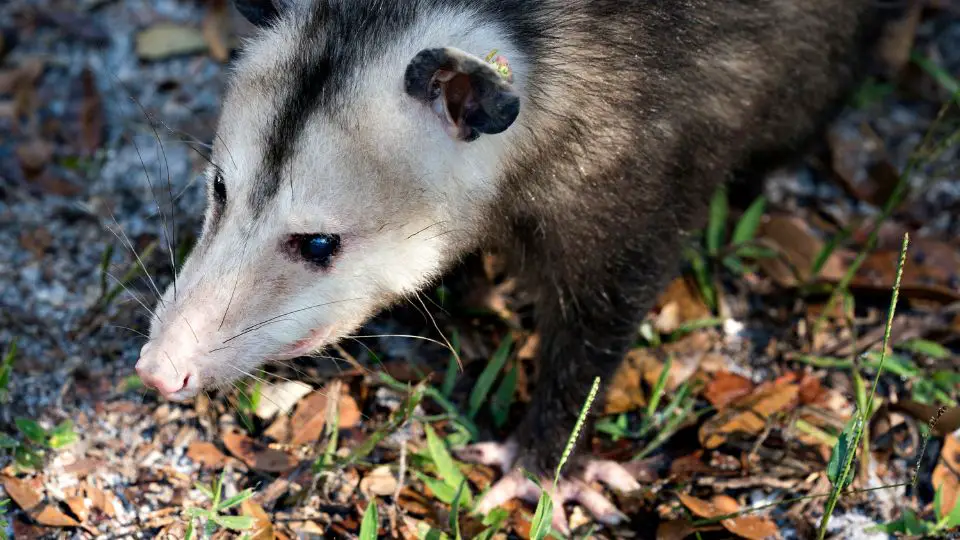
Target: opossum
366 146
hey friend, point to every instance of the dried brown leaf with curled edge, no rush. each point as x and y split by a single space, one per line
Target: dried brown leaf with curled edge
745 526
750 415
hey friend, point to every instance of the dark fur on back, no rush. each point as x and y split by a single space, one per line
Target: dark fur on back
666 100
641 109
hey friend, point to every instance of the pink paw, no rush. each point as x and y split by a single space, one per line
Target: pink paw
514 485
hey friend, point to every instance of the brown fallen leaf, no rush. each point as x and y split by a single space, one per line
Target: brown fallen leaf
726 387
306 424
946 475
79 507
752 527
681 302
102 500
947 422
750 414
793 238
748 526
22 492
677 529
91 115
262 525
51 516
206 454
216 30
257 455
625 392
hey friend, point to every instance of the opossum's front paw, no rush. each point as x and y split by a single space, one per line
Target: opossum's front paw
573 487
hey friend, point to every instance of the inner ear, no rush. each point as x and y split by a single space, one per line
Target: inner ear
468 94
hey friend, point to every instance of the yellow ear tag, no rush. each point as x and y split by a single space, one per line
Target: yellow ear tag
501 64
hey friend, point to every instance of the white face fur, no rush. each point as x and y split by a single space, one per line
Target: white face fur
382 175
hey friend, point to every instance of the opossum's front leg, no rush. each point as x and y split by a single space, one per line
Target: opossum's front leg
585 328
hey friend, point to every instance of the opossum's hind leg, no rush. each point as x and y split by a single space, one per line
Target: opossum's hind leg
572 487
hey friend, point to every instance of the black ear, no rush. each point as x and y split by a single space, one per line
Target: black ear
260 12
470 95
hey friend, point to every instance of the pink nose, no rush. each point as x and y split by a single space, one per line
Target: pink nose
166 385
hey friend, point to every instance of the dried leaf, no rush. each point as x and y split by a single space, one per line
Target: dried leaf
22 493
91 115
206 454
280 398
725 388
379 481
166 40
752 527
795 240
257 455
679 303
51 516
216 30
306 424
946 475
749 415
746 526
79 507
675 530
261 520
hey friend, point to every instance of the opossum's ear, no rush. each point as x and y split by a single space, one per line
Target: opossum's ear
261 12
470 95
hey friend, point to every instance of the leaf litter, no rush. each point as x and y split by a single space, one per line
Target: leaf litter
731 399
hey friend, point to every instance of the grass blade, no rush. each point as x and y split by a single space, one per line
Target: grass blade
841 479
717 227
370 523
746 228
485 382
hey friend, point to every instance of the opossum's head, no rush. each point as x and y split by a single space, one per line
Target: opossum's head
357 153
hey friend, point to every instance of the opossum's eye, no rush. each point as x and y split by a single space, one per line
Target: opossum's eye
219 189
318 249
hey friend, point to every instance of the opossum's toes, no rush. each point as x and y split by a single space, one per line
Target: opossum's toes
517 486
491 454
611 473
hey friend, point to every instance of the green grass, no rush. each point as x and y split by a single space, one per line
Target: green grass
3 522
6 371
215 517
735 252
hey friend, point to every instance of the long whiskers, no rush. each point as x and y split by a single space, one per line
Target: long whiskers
261 324
125 240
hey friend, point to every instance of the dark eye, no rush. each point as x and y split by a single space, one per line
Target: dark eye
219 189
318 249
